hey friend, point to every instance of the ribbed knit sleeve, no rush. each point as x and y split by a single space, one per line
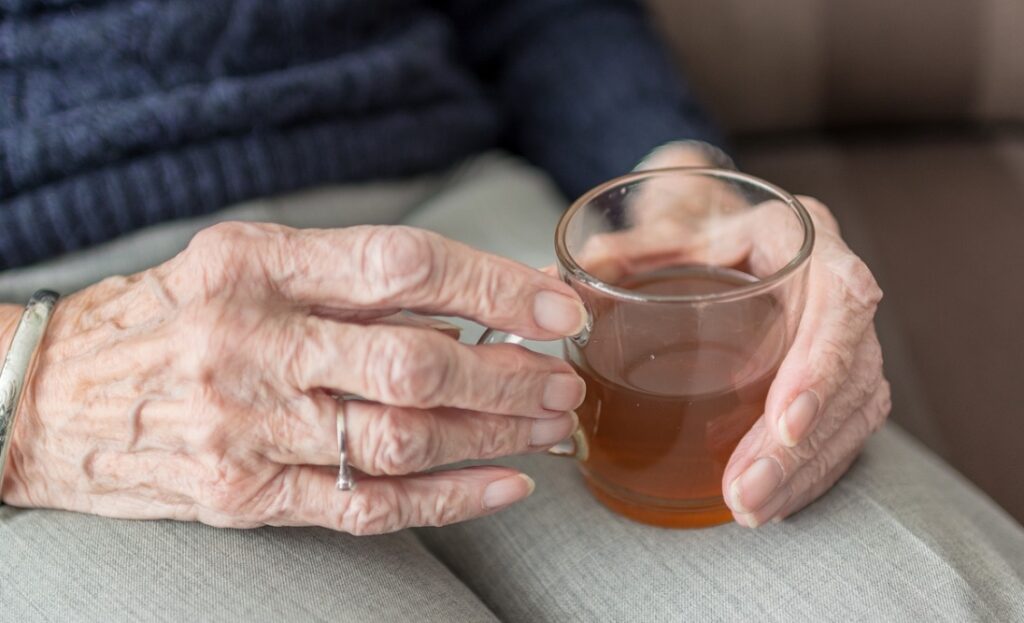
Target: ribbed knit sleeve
115 115
585 84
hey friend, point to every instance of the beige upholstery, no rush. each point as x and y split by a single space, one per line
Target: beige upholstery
798 64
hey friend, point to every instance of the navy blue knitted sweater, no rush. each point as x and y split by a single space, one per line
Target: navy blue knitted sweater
118 114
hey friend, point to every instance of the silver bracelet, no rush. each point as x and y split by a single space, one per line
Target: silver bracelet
16 366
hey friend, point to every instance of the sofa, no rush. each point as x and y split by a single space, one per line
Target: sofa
908 121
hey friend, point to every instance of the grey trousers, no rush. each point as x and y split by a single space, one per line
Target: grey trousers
900 538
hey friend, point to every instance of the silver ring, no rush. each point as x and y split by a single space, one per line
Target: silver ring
345 480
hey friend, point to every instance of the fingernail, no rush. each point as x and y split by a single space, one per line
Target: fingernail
745 520
559 313
508 490
546 433
564 392
752 488
768 511
799 418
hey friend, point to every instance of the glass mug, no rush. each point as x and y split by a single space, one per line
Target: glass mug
694 281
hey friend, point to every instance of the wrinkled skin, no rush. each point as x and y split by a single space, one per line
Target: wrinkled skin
201 389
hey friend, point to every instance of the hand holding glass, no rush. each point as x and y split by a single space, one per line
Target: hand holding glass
694 281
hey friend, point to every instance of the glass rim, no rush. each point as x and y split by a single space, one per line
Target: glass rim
567 262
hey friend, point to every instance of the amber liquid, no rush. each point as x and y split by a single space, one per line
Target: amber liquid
671 390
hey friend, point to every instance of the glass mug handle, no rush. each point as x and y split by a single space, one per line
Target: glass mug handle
575 447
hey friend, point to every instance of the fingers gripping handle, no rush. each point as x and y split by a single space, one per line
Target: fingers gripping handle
576 445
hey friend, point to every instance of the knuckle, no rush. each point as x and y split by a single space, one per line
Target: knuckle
522 372
413 370
217 236
820 213
872 376
815 468
221 491
445 506
397 444
834 359
859 283
498 294
368 514
501 435
301 350
221 252
803 452
818 469
858 389
398 259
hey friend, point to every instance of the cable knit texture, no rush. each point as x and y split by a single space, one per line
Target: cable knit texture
118 114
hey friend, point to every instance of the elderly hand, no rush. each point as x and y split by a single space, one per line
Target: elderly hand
829 394
201 389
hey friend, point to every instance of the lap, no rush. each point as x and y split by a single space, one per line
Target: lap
901 537
68 566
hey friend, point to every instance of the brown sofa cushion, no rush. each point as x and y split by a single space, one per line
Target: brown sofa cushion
785 64
941 222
